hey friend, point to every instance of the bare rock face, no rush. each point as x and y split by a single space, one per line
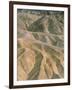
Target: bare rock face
40 45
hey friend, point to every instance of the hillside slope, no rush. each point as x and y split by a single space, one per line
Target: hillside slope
40 49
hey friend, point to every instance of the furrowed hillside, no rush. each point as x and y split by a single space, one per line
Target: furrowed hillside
40 44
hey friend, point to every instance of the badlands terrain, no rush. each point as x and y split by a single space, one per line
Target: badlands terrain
40 44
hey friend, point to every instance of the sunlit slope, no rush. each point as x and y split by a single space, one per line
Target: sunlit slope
40 45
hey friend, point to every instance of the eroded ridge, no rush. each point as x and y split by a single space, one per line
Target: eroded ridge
40 44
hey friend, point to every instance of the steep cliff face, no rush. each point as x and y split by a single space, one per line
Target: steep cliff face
40 44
